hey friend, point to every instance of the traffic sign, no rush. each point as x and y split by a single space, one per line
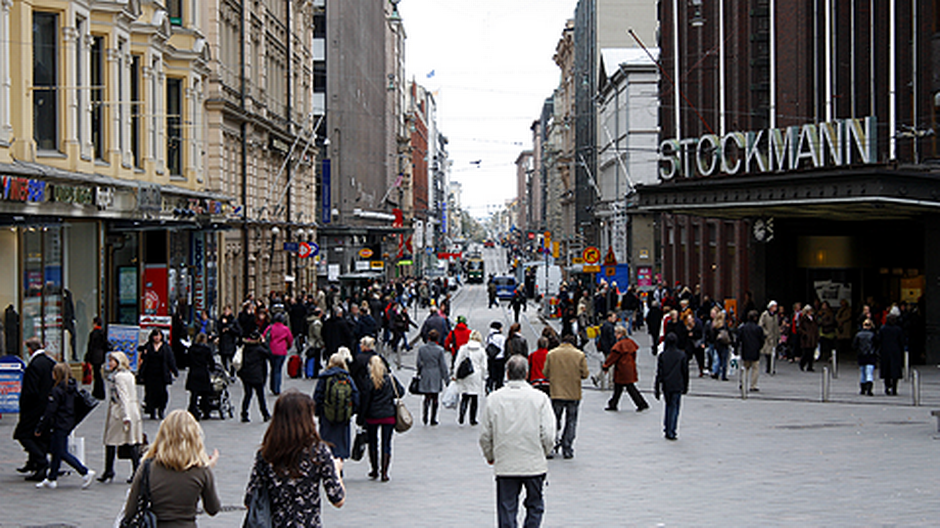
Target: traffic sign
291 246
591 269
591 255
304 250
365 253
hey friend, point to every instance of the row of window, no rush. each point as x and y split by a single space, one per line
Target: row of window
47 95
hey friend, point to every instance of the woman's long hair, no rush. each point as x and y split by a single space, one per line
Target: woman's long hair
291 431
377 371
179 444
61 373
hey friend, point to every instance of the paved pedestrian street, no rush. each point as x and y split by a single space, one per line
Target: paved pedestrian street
780 458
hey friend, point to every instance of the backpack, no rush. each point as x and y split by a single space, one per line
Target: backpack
492 350
338 401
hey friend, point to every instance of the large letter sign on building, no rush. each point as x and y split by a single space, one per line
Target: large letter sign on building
832 144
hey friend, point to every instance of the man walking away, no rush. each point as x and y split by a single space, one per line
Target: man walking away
751 340
517 436
491 293
565 367
496 356
623 358
672 381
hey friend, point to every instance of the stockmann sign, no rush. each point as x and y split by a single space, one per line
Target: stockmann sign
831 144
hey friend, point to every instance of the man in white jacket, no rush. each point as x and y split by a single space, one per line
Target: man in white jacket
518 433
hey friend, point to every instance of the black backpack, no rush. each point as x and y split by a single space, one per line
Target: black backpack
337 399
492 349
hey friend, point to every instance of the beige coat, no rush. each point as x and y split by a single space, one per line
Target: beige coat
565 367
770 324
123 406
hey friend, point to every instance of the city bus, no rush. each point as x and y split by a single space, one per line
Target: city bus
476 270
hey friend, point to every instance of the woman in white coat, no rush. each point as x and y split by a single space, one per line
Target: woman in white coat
471 386
123 425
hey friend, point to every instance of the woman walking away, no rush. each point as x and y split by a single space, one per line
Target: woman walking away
336 398
229 332
95 356
197 381
432 375
157 367
253 373
471 387
123 425
865 345
179 473
292 462
378 410
279 339
891 340
623 358
59 418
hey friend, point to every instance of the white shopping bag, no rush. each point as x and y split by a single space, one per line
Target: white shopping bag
76 446
451 396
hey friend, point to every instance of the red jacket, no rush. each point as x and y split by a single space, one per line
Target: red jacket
536 364
457 338
623 358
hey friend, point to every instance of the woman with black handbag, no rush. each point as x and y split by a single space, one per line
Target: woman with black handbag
156 370
379 412
289 467
123 425
175 474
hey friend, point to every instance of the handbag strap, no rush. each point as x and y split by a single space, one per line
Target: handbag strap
391 379
145 483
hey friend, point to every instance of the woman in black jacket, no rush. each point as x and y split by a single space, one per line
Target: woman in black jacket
378 409
892 352
157 368
59 418
254 372
229 332
98 348
197 382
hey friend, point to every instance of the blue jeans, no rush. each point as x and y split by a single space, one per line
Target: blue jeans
277 367
507 500
570 410
627 317
719 360
59 445
866 373
671 421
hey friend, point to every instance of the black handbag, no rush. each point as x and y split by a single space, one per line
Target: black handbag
359 445
84 404
465 368
144 517
415 386
259 509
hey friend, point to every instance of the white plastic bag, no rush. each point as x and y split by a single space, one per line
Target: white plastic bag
238 359
451 396
734 362
76 446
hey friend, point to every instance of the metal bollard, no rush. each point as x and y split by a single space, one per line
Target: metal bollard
773 363
907 365
826 381
835 364
915 387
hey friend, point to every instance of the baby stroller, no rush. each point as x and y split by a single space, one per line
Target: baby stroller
219 399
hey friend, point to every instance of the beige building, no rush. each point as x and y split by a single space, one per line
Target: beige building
263 117
558 152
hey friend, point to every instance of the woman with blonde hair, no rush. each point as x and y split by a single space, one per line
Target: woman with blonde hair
378 410
179 473
292 462
471 386
123 425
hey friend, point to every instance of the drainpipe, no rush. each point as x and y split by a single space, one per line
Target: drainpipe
290 121
244 167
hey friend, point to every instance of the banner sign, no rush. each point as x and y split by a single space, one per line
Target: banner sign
125 338
326 205
11 383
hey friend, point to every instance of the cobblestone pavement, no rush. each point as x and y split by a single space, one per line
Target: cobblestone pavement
780 458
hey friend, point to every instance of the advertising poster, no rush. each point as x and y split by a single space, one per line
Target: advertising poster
11 383
125 338
155 290
644 277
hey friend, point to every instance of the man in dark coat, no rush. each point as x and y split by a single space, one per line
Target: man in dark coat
98 347
435 321
337 332
750 342
891 336
297 314
654 320
672 381
246 319
607 337
37 384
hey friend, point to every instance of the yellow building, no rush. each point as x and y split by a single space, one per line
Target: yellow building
106 205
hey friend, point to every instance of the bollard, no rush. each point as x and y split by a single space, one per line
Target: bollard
915 387
835 364
773 363
907 365
825 384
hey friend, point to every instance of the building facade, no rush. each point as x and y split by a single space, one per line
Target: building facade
797 155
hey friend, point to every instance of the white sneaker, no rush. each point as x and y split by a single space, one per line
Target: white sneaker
88 479
46 483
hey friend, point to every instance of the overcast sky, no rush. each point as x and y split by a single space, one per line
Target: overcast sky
492 71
